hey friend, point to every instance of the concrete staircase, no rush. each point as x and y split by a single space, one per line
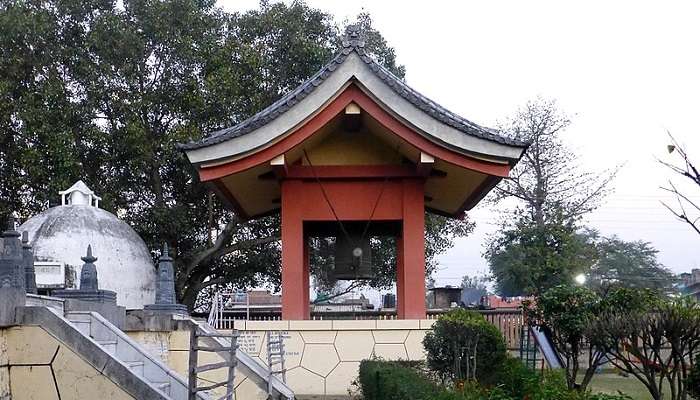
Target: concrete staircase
127 363
128 352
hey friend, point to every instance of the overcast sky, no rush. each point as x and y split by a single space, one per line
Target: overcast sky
625 71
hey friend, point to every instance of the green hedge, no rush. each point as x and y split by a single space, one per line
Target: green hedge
390 380
386 380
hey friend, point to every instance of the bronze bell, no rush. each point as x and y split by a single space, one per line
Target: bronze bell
353 258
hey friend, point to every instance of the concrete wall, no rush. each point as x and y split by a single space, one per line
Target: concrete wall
323 357
36 366
173 348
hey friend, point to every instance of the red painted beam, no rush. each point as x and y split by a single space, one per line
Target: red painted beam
350 200
351 172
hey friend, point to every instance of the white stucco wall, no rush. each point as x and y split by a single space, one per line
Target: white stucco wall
124 264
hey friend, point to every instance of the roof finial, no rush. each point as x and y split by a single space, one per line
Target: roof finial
164 254
79 194
88 259
353 36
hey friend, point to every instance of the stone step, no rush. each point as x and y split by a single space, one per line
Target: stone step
130 354
110 346
135 366
163 387
83 326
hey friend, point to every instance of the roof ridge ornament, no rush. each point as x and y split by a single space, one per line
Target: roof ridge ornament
354 36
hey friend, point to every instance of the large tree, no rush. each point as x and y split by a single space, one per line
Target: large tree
549 182
539 244
632 264
527 259
103 90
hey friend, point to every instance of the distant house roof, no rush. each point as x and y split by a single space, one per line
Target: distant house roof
446 289
263 297
352 43
505 302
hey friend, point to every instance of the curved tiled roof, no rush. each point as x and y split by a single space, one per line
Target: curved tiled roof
353 42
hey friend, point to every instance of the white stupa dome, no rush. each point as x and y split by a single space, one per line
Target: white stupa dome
61 234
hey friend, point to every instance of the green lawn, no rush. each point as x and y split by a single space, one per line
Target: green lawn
611 383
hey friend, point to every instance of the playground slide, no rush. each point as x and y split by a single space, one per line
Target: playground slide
550 355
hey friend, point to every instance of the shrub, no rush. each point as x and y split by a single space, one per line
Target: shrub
391 380
386 380
692 383
516 379
463 345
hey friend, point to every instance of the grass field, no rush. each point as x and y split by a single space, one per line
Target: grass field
611 383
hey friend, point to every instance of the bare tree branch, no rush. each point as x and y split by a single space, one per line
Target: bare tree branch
687 170
548 179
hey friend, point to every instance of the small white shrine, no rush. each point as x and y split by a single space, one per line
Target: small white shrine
61 234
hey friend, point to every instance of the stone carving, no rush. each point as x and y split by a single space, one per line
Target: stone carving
89 286
28 256
166 301
11 260
88 275
353 36
12 287
165 281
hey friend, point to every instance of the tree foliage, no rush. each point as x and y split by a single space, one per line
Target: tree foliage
527 258
566 313
103 90
693 381
632 264
474 282
548 181
652 338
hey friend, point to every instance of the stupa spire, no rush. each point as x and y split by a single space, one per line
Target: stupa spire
88 275
166 300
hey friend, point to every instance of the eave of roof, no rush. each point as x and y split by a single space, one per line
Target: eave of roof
353 43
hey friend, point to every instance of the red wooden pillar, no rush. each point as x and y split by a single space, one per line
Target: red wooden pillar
295 269
307 274
399 277
410 274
